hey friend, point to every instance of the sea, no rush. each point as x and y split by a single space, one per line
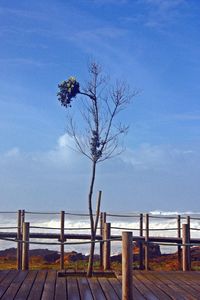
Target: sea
161 223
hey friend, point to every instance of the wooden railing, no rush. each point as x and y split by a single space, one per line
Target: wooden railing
24 235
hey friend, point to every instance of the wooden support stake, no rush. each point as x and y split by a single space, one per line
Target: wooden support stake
189 254
106 247
62 239
141 244
23 216
97 211
186 248
25 246
102 221
146 248
127 266
19 237
179 236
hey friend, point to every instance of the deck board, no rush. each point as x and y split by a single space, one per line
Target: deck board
96 289
26 286
37 288
184 284
84 288
171 289
45 284
14 286
61 289
49 286
109 293
7 280
160 294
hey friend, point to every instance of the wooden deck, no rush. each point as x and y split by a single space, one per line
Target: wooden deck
45 285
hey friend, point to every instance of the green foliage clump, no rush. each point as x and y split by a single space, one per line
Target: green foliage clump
68 90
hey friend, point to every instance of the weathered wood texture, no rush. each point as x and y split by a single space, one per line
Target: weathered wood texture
25 246
28 285
127 262
106 246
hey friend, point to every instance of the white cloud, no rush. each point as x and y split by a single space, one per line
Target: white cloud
14 152
186 116
163 157
162 12
58 178
60 156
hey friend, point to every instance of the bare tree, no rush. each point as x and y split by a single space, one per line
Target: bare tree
99 132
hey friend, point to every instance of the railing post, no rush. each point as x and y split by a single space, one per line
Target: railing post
141 244
23 216
102 221
106 247
62 239
127 265
25 246
185 240
189 255
19 237
179 236
146 249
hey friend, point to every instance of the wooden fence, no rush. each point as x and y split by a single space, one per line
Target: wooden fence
24 236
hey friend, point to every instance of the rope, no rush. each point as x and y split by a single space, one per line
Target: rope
193 218
194 228
82 215
173 244
8 212
160 229
144 229
124 228
123 216
8 227
161 217
58 228
41 213
59 243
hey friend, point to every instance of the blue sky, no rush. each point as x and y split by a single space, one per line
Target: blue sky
152 44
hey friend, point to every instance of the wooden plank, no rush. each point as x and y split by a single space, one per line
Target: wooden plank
116 285
162 285
49 286
191 279
72 289
96 289
176 279
14 286
148 294
179 287
107 289
3 274
150 285
61 288
136 293
26 286
36 291
177 291
5 283
84 288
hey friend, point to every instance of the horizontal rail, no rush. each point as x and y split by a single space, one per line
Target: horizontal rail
123 215
35 235
8 227
63 243
58 228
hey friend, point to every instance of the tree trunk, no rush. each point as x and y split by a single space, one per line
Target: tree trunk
93 234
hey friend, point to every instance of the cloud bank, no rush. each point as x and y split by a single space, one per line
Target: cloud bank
147 178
